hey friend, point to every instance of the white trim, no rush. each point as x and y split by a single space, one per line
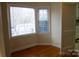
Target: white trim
44 44
56 45
24 47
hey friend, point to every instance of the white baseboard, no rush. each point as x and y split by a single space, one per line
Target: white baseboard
56 45
24 47
44 44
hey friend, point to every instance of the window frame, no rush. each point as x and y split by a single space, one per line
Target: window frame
25 32
39 20
49 23
9 20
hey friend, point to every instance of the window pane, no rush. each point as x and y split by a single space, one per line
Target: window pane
22 20
43 20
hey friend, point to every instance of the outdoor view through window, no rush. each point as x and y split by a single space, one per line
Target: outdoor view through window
22 21
43 20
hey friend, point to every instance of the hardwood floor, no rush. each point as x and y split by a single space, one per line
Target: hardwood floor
38 51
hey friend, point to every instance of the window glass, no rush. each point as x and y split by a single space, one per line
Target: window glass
43 20
22 21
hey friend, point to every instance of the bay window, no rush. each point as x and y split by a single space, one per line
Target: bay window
23 20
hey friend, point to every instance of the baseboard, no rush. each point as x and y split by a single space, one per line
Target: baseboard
44 44
24 47
56 45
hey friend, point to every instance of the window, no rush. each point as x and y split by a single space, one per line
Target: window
22 21
43 20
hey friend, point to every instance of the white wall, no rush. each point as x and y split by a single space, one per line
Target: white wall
56 24
63 25
5 28
68 25
2 46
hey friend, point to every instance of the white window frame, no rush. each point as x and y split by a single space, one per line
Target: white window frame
9 21
24 24
49 22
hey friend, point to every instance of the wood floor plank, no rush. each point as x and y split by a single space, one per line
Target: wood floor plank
38 51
